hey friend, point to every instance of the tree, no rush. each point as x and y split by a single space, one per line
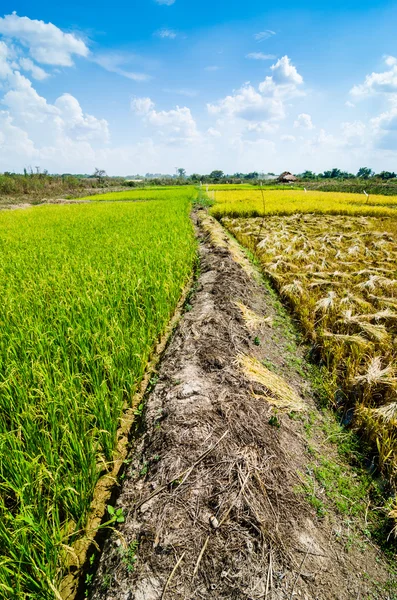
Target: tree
196 177
181 172
385 175
307 175
216 175
365 173
99 174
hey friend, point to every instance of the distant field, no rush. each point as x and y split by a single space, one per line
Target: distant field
85 290
255 203
152 193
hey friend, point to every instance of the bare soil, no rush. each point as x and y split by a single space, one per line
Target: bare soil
210 496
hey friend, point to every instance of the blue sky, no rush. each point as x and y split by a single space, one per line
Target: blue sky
159 84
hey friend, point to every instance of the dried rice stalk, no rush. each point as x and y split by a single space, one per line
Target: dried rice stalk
251 318
388 412
326 304
348 339
376 375
278 391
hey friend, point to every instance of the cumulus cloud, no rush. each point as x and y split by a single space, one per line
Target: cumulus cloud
247 103
304 121
390 60
173 125
260 56
37 72
267 102
284 73
78 125
384 82
119 62
385 129
46 43
264 35
5 68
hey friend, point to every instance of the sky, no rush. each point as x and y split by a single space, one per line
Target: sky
155 85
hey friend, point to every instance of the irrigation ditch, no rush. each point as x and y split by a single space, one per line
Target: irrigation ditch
219 497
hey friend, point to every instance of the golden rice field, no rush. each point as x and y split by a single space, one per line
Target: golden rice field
339 277
85 290
255 202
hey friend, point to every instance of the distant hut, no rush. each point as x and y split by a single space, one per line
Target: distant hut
287 177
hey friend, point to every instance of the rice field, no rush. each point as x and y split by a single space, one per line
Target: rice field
85 290
142 194
338 275
256 202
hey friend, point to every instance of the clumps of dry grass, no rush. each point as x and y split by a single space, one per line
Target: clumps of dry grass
338 275
278 392
253 321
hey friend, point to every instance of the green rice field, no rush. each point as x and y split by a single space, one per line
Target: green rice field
85 290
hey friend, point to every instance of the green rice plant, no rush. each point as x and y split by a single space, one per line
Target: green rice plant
86 291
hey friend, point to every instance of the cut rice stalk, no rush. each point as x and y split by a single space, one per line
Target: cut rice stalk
278 391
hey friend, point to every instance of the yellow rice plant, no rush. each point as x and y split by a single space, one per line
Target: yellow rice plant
338 275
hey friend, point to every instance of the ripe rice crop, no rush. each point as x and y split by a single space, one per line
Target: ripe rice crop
339 277
256 202
85 290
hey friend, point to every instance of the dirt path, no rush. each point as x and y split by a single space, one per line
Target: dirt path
210 501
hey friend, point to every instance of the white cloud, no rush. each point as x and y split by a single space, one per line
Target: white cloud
36 71
260 56
165 2
118 62
263 127
246 103
304 121
5 68
166 33
390 60
349 104
267 103
47 44
288 138
264 35
385 129
211 68
78 125
284 73
385 82
353 132
173 125
213 132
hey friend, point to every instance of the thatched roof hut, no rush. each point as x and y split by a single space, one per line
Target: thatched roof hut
287 177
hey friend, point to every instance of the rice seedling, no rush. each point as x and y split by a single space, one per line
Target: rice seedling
86 290
346 302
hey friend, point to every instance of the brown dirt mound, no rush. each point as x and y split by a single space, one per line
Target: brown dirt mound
209 495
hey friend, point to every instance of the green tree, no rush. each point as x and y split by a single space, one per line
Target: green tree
216 175
365 173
